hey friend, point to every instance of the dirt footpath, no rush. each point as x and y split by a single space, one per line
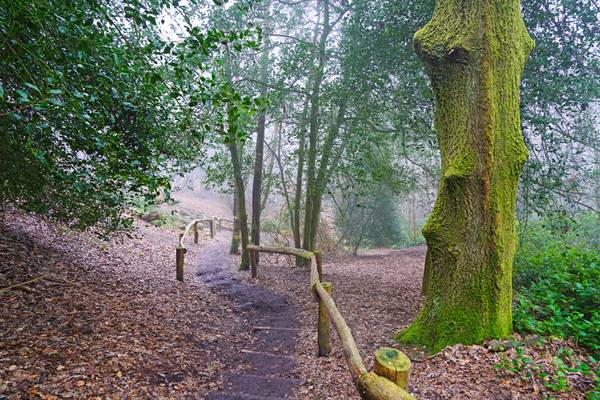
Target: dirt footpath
271 322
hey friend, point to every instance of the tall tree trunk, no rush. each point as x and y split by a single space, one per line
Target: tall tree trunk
257 181
323 174
258 160
474 52
308 242
241 197
299 180
235 234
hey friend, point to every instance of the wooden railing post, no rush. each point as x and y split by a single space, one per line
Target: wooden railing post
196 232
323 325
212 228
179 259
319 263
393 365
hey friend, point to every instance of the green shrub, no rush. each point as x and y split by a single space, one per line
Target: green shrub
557 287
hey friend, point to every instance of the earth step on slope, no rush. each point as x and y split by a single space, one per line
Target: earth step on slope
268 362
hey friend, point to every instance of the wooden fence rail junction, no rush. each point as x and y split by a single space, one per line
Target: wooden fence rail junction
196 226
389 378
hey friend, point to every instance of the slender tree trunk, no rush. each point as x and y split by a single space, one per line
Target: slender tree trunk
313 132
258 160
474 52
413 217
257 181
235 234
322 178
282 180
269 182
241 190
299 181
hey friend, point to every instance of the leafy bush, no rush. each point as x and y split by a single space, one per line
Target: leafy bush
557 285
94 106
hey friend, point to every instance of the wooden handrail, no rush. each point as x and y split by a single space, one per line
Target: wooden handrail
180 250
185 232
290 251
355 362
370 385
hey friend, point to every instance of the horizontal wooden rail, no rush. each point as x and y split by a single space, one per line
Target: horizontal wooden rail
370 385
290 251
189 226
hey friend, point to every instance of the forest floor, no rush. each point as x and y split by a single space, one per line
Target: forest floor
107 320
378 294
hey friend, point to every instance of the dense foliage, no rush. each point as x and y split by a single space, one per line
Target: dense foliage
560 92
557 280
97 102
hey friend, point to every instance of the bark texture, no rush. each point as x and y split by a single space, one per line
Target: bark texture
474 52
235 232
241 201
258 160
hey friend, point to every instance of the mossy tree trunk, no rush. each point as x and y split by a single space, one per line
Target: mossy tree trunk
474 52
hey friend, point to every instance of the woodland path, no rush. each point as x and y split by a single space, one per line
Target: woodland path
268 356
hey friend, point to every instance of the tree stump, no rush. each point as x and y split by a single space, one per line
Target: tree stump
323 325
393 365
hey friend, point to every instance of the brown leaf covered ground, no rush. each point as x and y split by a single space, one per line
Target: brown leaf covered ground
378 294
108 321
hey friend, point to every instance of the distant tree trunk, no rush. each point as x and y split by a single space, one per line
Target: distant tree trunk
235 234
258 160
311 160
276 156
269 182
299 180
241 198
474 52
412 216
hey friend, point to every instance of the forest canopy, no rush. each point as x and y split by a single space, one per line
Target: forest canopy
102 101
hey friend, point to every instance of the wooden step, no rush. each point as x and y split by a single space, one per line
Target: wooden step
261 386
239 396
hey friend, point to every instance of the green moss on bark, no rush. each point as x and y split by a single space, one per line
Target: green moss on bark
474 52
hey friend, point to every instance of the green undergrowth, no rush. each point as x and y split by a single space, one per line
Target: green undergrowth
152 213
552 372
557 281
